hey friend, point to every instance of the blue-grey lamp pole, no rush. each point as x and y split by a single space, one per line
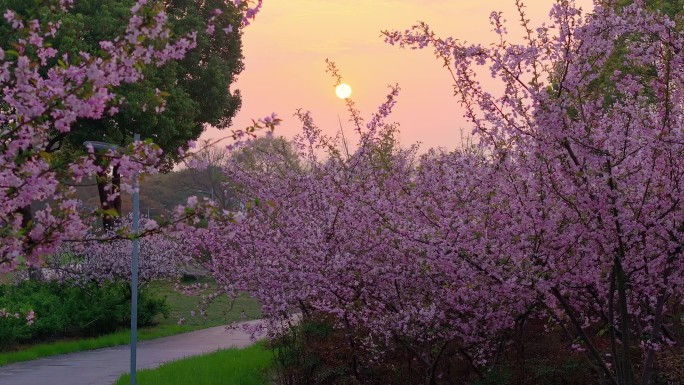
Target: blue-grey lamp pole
134 255
134 272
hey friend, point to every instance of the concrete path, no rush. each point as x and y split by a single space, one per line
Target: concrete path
104 366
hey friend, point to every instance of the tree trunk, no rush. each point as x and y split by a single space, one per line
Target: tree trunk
34 272
649 361
626 374
116 184
108 220
593 353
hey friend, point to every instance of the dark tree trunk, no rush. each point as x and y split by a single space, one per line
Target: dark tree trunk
34 272
116 183
108 220
102 180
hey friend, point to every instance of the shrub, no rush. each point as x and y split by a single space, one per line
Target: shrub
65 310
316 352
311 352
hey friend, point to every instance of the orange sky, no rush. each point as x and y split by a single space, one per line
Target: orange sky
286 47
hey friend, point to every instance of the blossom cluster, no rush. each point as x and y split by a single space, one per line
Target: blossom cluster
161 256
30 316
567 209
43 100
44 92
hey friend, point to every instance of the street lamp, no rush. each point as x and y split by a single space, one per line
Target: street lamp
134 253
210 192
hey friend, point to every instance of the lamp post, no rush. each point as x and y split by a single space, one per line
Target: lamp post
210 192
134 254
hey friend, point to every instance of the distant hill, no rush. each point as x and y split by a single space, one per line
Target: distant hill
159 194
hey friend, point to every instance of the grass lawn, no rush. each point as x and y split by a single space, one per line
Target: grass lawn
222 311
225 367
6 278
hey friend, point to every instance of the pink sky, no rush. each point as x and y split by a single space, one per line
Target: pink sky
286 47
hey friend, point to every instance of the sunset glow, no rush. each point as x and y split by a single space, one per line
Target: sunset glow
286 47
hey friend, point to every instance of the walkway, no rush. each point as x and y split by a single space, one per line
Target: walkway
104 366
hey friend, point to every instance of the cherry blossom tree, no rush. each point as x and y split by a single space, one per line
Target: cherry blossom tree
567 210
161 257
45 91
336 236
588 197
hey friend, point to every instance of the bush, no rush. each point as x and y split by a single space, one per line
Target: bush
312 352
315 352
65 310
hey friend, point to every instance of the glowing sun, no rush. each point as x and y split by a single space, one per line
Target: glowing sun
343 91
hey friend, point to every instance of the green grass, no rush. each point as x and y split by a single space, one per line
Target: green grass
6 278
225 367
220 312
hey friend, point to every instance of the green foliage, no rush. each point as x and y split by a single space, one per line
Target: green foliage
221 311
495 377
160 193
311 353
149 307
316 352
563 372
671 8
232 366
605 84
268 154
617 65
121 337
64 310
196 89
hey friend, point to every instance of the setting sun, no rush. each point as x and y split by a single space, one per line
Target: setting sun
343 91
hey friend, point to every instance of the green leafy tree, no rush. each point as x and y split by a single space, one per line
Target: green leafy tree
268 154
193 92
211 180
196 89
